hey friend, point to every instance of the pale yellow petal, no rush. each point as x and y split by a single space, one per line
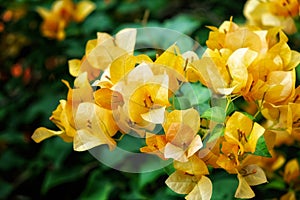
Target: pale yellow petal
294 61
291 171
202 191
121 66
156 116
254 175
243 190
256 133
175 152
238 63
83 9
171 58
74 67
43 133
243 38
125 39
194 166
181 183
95 123
195 145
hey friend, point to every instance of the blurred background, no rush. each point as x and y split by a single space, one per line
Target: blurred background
32 67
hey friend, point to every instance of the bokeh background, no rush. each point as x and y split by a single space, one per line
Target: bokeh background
31 69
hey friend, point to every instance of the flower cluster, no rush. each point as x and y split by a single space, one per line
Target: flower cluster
61 14
118 92
273 13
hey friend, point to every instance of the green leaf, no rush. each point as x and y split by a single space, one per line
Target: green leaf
217 132
96 22
223 102
224 189
57 150
191 95
60 176
97 187
249 115
216 114
169 169
148 177
5 189
131 144
261 148
183 23
277 184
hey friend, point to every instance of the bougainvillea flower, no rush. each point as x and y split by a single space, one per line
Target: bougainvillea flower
95 126
194 166
52 26
155 145
100 53
181 128
272 164
229 159
174 65
60 118
250 175
291 195
291 177
145 96
172 58
277 89
63 116
197 187
225 71
291 171
183 142
273 13
61 13
245 133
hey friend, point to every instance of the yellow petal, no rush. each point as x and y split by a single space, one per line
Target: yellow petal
95 127
181 183
291 171
175 152
243 38
194 166
103 97
254 175
210 75
294 61
238 63
43 12
243 190
188 117
155 144
195 145
289 196
42 133
83 9
256 133
282 50
91 44
82 92
74 67
121 66
156 116
125 39
281 86
102 55
171 58
202 191
216 40
234 129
